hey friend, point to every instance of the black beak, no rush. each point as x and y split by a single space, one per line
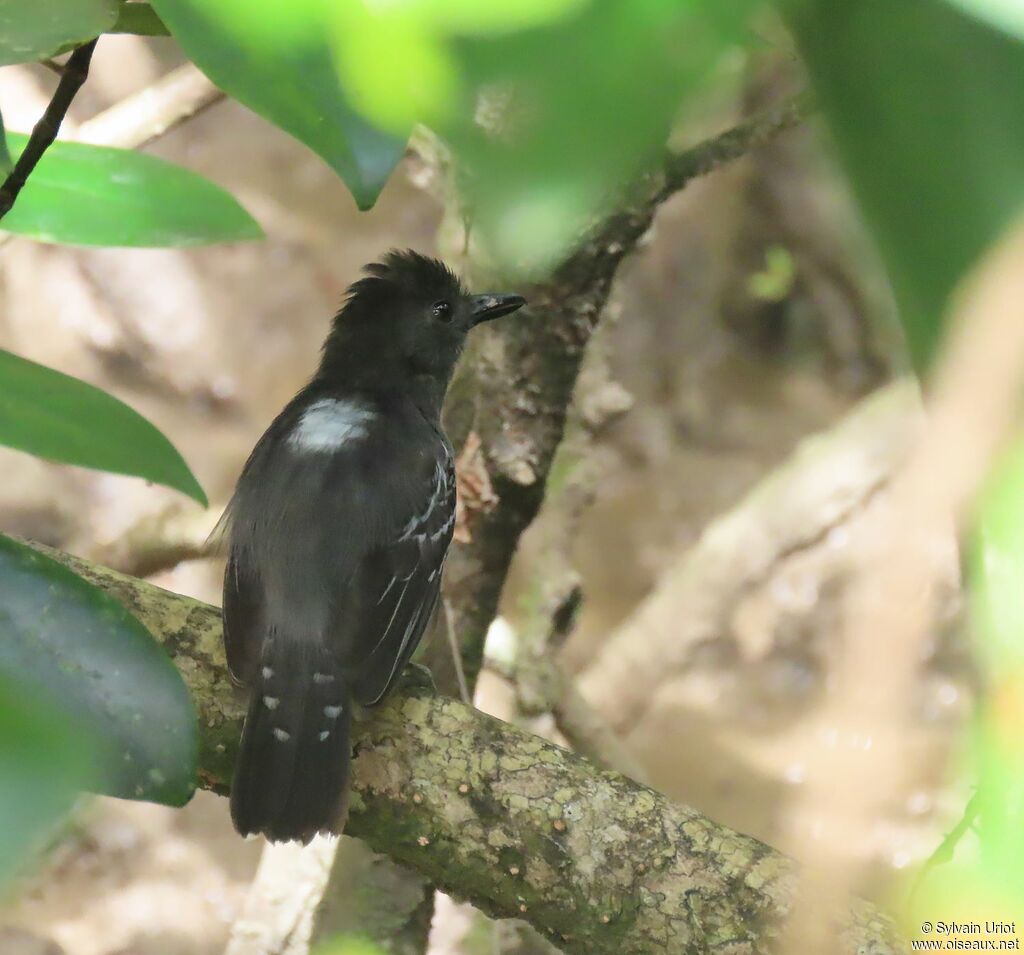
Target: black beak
486 307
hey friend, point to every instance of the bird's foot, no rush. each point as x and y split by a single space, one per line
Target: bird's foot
418 677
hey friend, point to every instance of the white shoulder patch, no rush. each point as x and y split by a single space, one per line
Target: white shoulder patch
330 423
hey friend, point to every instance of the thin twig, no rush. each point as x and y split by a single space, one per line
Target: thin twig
53 66
946 849
743 138
45 131
453 648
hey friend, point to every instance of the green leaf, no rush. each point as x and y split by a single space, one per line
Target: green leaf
33 31
274 56
55 416
996 579
45 760
140 19
95 195
926 105
1007 15
552 107
497 17
348 945
396 70
398 63
997 565
65 638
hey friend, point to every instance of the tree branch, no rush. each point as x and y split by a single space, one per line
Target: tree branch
751 134
548 612
516 825
142 117
826 483
372 897
521 384
279 909
45 131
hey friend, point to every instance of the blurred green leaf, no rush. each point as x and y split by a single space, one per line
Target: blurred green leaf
468 17
587 106
95 195
45 761
965 893
78 646
1006 15
140 19
997 564
996 578
927 108
348 945
397 61
55 416
552 109
395 69
774 282
33 31
967 876
275 57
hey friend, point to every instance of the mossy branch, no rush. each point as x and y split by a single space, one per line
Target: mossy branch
514 824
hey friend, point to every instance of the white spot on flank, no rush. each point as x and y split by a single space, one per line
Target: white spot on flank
270 702
281 735
332 712
329 423
324 735
323 678
267 673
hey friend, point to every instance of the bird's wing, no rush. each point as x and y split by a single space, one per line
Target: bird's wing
243 611
391 599
243 596
341 550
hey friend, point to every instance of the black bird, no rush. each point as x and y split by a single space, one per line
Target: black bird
338 531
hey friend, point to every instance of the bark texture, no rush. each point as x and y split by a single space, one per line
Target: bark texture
516 825
516 393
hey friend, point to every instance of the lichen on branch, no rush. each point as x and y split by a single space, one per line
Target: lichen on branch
510 822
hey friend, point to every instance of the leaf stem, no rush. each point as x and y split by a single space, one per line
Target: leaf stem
45 131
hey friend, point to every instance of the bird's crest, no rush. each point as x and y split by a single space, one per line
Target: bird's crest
402 272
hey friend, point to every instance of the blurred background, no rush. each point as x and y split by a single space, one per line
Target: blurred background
753 316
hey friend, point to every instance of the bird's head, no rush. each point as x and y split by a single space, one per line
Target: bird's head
408 317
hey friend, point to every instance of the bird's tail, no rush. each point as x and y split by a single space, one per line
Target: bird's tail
291 778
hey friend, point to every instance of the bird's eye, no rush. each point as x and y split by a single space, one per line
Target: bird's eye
442 311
